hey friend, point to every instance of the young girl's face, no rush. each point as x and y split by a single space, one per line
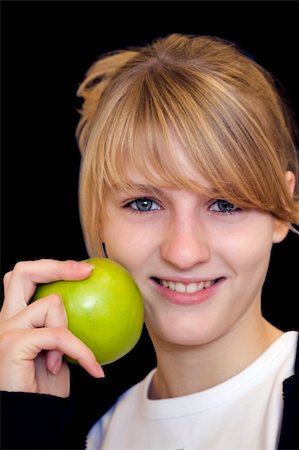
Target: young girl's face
200 262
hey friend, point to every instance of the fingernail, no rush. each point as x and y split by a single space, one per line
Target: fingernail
84 267
57 366
100 372
88 267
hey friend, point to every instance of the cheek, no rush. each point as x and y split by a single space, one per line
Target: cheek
249 250
127 245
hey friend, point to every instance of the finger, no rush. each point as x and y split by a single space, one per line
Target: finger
22 281
47 312
6 280
18 367
55 317
62 340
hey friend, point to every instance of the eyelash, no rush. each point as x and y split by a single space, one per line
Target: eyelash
225 213
128 205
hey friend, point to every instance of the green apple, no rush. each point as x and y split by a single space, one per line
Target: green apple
105 310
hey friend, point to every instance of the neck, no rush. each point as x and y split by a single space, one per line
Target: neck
184 371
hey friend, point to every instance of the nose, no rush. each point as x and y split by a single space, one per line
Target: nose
186 243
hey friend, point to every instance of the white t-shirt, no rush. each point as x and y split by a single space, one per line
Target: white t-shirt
242 413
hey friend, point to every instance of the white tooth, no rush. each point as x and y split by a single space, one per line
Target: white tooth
200 285
191 288
180 287
171 285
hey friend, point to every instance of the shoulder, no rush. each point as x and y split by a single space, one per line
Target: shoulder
126 406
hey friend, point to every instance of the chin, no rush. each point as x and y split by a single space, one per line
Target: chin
184 333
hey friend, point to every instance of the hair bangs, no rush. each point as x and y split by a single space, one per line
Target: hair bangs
142 142
161 114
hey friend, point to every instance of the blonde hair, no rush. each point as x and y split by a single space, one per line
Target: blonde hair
224 109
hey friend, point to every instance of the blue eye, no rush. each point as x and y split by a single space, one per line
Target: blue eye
223 207
143 205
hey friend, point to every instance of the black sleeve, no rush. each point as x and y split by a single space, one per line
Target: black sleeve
289 436
33 421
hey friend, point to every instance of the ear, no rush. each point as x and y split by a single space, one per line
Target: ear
281 229
290 181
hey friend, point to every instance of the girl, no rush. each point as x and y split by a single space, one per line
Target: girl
187 179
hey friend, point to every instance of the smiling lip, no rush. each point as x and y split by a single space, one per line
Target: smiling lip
186 293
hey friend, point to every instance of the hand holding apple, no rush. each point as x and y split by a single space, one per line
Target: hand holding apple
105 310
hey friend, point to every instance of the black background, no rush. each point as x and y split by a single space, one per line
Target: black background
46 49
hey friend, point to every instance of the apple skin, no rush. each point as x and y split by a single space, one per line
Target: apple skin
105 310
